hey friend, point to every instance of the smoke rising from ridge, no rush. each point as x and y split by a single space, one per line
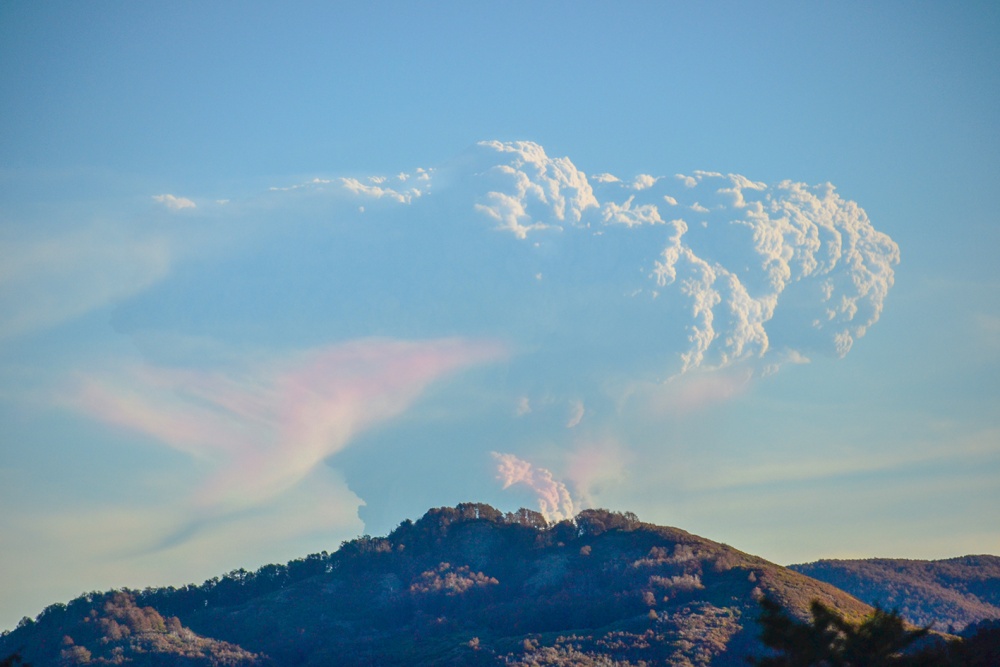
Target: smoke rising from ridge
554 500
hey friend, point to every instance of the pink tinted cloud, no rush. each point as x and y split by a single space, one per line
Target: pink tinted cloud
696 390
595 464
268 426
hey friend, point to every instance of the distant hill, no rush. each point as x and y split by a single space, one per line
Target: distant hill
951 593
466 585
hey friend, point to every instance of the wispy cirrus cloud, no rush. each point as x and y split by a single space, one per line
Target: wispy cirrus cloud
974 450
48 280
168 543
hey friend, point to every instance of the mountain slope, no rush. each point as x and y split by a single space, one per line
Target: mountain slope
949 593
469 586
111 629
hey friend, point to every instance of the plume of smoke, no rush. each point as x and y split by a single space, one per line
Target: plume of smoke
554 499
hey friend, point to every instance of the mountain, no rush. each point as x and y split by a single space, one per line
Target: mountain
952 593
465 585
111 628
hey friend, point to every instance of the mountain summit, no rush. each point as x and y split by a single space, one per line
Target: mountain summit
465 585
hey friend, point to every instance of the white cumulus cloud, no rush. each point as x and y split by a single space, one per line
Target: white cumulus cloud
757 267
174 203
377 189
527 190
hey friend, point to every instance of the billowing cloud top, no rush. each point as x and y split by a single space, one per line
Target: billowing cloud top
750 271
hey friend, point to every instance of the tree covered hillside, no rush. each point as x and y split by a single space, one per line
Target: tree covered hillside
465 585
952 593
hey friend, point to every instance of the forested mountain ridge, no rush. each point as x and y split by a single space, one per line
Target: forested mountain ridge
951 593
110 628
465 585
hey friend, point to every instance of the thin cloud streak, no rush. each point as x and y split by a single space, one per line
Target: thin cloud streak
165 544
979 447
45 282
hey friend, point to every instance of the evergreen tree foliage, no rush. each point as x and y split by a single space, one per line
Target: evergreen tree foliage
13 660
829 640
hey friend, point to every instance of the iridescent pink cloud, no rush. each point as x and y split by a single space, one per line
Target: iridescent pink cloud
595 463
694 391
266 427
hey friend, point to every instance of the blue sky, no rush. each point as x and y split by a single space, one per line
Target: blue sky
273 277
